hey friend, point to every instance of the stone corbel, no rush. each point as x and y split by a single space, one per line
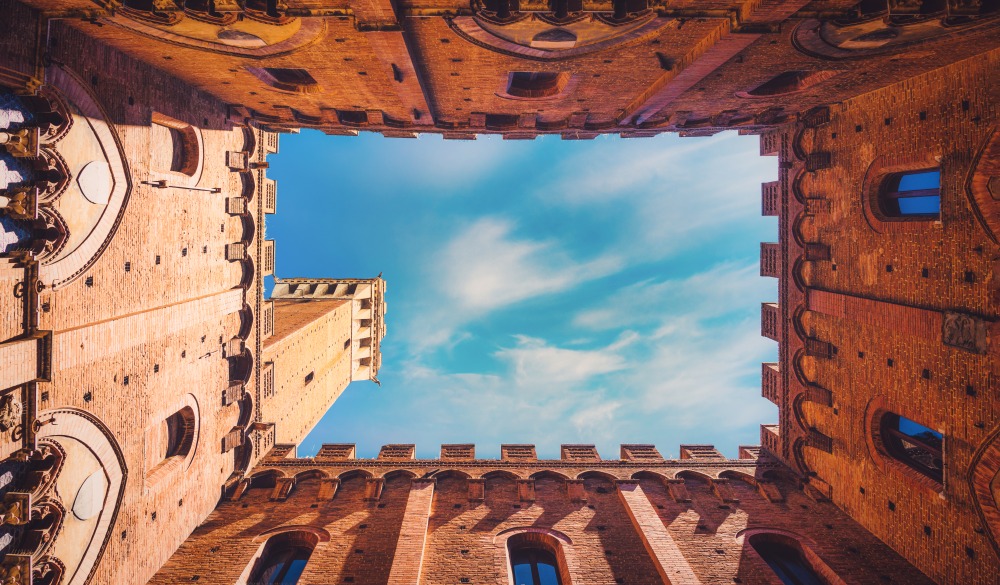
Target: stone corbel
282 488
328 488
677 490
575 491
724 491
526 490
477 490
373 488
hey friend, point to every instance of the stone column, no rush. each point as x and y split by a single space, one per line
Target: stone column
663 550
409 557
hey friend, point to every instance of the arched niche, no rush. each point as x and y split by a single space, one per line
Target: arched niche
984 483
93 203
92 481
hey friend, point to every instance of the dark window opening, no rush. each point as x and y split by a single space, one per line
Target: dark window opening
533 566
309 377
352 117
180 433
291 76
535 84
281 563
913 195
913 444
786 560
790 81
288 79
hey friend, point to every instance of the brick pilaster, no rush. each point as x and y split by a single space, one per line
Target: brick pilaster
409 557
663 550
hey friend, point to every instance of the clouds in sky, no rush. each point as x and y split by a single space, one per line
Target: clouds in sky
484 267
604 292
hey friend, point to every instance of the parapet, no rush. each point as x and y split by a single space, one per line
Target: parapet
640 454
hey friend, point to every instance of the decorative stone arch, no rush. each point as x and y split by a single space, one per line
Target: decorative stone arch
246 322
46 522
554 541
315 473
653 475
309 31
799 412
875 35
798 456
352 473
500 474
741 476
286 80
549 474
393 474
248 186
74 259
984 484
449 473
595 474
321 534
983 185
247 273
498 36
79 431
249 229
695 474
801 273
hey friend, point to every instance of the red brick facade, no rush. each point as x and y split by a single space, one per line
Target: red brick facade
143 375
447 521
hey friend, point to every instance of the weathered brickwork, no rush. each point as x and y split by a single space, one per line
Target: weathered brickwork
602 530
312 366
445 66
140 360
884 302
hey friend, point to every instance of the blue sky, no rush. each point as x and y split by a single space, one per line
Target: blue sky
545 291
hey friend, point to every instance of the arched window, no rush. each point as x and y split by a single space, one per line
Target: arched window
788 82
914 195
785 557
169 444
180 433
534 559
175 146
283 559
533 566
287 79
914 445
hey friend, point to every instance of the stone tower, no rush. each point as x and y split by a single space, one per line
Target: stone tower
327 334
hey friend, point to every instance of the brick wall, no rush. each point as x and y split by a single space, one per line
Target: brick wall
880 302
602 530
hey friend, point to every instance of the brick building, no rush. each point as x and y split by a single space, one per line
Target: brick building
138 354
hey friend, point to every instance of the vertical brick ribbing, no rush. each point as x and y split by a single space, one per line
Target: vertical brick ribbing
670 561
409 557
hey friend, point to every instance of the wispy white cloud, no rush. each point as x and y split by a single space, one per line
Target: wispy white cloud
485 267
688 190
534 363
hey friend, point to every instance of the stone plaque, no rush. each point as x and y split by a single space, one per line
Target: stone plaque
965 332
